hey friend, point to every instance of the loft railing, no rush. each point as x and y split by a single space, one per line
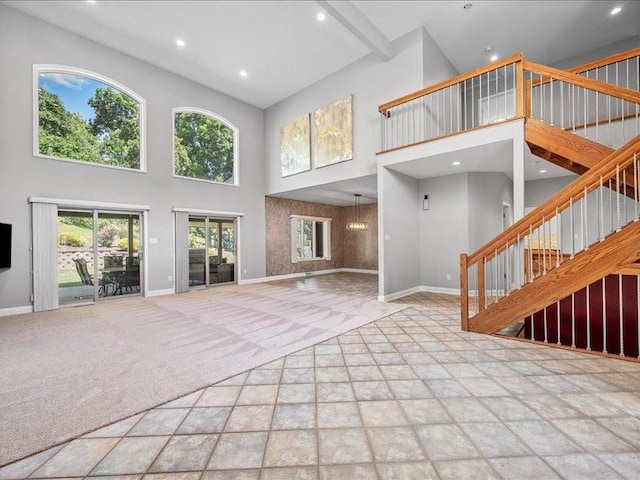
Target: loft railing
595 100
476 99
599 203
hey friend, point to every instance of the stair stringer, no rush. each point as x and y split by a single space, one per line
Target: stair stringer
565 149
606 257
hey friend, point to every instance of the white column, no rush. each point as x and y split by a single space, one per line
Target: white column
519 146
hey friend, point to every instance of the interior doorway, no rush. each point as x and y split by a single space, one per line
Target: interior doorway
98 255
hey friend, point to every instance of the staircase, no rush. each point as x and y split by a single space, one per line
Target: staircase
566 270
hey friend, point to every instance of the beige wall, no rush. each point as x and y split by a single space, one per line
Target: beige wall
361 248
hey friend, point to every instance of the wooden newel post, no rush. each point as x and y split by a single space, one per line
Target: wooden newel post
464 293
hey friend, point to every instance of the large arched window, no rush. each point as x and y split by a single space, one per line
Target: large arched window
204 146
85 117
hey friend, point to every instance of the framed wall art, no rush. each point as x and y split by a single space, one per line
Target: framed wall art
333 135
295 146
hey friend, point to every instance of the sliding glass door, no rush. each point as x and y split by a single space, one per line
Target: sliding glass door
98 255
76 257
212 251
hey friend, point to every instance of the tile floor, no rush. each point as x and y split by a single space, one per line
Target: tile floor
345 283
407 397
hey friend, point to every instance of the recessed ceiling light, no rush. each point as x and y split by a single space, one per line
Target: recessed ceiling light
180 42
321 17
243 73
493 58
467 6
543 171
456 163
615 11
91 1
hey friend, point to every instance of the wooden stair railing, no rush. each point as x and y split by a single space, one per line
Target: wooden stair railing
602 259
596 208
505 91
599 111
615 69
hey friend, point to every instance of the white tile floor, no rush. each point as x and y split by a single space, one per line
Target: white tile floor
407 397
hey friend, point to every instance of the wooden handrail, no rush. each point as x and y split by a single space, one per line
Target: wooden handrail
518 57
452 81
559 201
585 67
630 269
588 83
618 57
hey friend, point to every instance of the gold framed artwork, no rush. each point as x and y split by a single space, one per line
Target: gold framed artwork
333 135
295 146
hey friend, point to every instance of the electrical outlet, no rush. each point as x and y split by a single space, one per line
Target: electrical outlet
169 278
448 276
244 271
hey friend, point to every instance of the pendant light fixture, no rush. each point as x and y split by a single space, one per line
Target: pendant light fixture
356 223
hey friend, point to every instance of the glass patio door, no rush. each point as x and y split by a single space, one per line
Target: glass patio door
212 251
119 254
76 265
98 255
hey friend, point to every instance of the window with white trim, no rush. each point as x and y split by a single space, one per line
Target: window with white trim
204 146
310 238
82 116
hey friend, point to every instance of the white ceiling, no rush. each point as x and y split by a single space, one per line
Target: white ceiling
285 49
546 31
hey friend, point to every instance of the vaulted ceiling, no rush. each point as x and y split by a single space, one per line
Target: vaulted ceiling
283 47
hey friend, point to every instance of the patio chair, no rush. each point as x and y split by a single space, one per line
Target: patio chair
87 279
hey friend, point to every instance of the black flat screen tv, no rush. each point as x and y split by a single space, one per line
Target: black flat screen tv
5 245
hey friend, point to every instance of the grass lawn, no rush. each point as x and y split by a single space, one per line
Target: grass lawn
85 233
68 278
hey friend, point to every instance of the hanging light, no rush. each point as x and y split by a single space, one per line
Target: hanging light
357 224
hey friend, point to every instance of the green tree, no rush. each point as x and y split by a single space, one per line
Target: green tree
117 127
203 147
63 133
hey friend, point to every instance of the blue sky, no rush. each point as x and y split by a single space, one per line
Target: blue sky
73 90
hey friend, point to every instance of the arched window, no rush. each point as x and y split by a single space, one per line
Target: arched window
204 146
82 116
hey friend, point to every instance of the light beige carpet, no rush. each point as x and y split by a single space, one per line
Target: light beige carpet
66 372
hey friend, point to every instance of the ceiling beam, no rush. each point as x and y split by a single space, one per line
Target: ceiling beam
359 25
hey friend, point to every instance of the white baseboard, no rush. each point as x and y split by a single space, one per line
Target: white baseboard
446 291
400 294
5 312
158 293
359 270
418 289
